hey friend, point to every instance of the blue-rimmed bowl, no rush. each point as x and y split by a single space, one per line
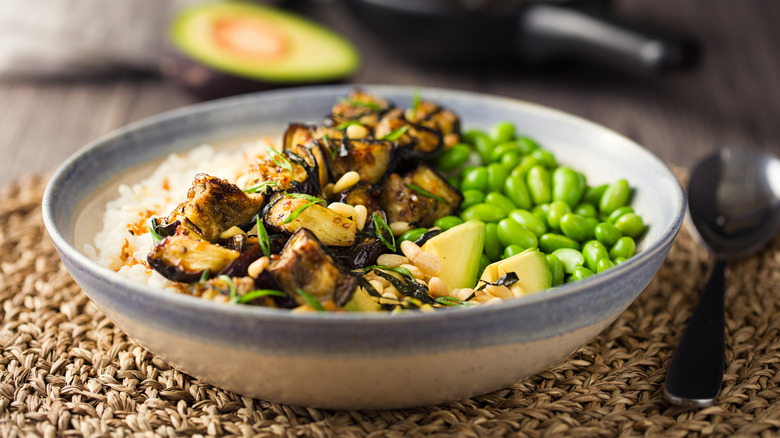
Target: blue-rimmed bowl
357 361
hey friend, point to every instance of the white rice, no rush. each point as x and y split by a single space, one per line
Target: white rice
124 242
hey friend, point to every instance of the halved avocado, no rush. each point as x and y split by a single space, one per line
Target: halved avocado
217 49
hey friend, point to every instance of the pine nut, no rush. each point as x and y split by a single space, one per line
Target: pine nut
258 266
427 262
437 287
346 181
327 191
465 293
357 131
410 249
399 227
361 214
391 260
499 291
377 286
494 300
343 209
416 272
230 232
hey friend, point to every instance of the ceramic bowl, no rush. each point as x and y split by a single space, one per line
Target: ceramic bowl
354 360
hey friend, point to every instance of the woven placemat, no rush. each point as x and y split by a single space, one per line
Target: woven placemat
67 370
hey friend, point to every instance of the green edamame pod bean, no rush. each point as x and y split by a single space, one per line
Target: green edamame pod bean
455 157
447 222
556 269
454 182
557 210
471 135
580 273
510 159
603 265
526 145
593 251
503 148
586 209
539 184
618 260
546 158
593 194
616 195
483 212
502 131
630 224
471 197
576 227
512 250
413 234
475 179
525 165
592 221
567 186
496 176
551 242
484 145
501 201
529 220
484 261
624 247
493 247
618 212
512 233
541 211
516 190
570 258
607 233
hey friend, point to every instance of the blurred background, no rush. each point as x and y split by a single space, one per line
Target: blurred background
681 78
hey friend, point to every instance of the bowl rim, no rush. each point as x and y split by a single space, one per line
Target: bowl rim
106 275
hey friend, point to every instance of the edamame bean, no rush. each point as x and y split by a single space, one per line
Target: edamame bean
510 159
593 251
501 201
592 221
603 265
624 247
620 211
512 250
496 176
512 233
454 182
541 211
619 260
570 258
607 233
593 194
546 158
557 210
493 247
556 269
630 224
454 157
413 234
447 222
586 209
502 131
576 227
580 273
476 179
483 212
616 195
525 165
551 242
526 145
567 186
539 184
484 261
471 197
529 220
503 148
516 190
484 145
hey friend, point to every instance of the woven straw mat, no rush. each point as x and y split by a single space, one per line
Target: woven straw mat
66 370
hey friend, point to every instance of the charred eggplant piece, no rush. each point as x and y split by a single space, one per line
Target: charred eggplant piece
371 159
213 205
184 259
360 107
331 228
288 171
421 196
366 195
417 141
238 267
432 116
305 264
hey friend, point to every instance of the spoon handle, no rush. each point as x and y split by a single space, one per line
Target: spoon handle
696 371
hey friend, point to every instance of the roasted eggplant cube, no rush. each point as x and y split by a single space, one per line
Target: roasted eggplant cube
432 116
288 170
366 195
421 196
331 228
302 141
418 140
184 259
305 264
371 159
360 107
213 205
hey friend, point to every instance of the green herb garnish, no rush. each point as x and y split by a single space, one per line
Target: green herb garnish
309 198
346 125
360 103
229 281
156 237
261 186
310 300
331 149
294 215
205 275
249 296
400 270
262 236
415 100
452 301
379 225
278 158
395 134
426 193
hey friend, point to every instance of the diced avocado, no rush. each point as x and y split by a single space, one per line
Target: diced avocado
220 48
362 301
459 249
532 271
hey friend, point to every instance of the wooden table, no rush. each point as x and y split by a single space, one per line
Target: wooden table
731 98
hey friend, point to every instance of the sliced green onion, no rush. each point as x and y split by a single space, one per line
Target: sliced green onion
229 281
205 275
426 193
332 150
262 236
310 300
400 270
452 301
346 125
415 100
156 237
294 215
309 198
278 158
395 134
360 103
379 225
249 296
259 187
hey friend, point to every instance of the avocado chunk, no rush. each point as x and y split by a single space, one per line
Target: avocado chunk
459 250
217 49
362 301
532 271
